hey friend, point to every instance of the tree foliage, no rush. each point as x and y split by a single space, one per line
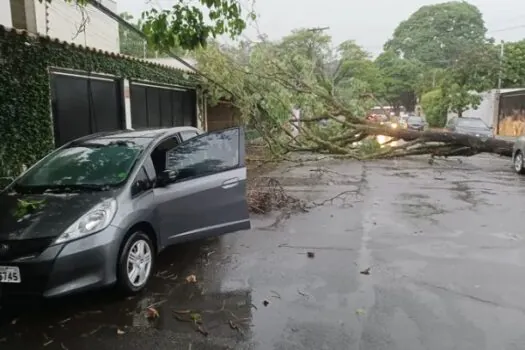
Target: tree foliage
448 40
400 77
188 26
266 80
514 64
437 34
435 108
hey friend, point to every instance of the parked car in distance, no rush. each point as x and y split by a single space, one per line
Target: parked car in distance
97 211
469 126
415 123
402 121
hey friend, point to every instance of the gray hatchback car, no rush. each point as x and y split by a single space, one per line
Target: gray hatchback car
97 211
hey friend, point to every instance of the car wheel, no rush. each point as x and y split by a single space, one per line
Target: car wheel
518 163
136 262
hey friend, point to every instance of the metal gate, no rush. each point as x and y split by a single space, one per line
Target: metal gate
162 106
85 104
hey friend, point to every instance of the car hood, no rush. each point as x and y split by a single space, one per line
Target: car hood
28 216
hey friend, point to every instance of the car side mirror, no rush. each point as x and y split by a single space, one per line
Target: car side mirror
166 177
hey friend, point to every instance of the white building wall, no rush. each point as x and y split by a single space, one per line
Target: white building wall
485 110
5 13
85 26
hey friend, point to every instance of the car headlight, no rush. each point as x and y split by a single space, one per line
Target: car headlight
95 220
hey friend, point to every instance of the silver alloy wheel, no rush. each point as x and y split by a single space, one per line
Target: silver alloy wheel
139 263
518 162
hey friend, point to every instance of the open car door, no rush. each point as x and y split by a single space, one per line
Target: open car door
206 193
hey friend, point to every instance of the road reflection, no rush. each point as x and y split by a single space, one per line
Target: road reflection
387 140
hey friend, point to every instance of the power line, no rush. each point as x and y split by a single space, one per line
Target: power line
506 29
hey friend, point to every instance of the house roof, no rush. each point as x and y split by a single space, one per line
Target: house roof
46 38
174 63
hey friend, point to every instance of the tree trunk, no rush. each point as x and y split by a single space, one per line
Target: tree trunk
466 145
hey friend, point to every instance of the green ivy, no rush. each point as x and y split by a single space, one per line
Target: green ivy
26 125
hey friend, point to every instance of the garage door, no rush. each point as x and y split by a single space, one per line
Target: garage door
83 105
155 106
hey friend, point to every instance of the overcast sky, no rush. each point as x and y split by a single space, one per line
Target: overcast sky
369 22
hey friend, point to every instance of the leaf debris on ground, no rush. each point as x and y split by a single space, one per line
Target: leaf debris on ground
191 279
152 313
360 312
366 271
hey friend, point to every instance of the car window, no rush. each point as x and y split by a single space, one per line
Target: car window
159 154
142 176
142 182
471 123
186 135
415 120
97 162
205 154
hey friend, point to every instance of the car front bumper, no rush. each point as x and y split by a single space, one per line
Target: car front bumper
83 264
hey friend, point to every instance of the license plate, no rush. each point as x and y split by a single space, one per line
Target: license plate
10 274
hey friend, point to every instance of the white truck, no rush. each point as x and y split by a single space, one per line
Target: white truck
502 109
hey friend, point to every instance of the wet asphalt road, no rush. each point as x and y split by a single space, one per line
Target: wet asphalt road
444 246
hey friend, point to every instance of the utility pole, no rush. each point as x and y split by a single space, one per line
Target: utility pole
495 116
501 53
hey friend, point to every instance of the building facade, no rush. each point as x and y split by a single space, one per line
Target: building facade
68 22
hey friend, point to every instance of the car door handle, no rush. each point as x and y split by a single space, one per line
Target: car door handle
230 183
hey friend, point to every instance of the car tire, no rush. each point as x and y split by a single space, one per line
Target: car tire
518 161
137 247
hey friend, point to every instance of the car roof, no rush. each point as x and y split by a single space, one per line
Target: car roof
148 133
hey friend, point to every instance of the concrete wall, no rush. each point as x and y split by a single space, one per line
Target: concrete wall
5 13
222 116
85 26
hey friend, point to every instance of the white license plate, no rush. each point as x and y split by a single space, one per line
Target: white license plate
10 274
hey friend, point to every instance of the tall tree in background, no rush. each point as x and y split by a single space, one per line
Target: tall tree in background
458 60
514 65
437 34
400 77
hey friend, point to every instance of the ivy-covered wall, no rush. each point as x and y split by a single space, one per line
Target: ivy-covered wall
26 124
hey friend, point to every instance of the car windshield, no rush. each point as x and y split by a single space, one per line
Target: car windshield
415 120
471 123
93 164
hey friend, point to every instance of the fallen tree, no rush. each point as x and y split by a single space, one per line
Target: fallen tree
434 143
265 83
